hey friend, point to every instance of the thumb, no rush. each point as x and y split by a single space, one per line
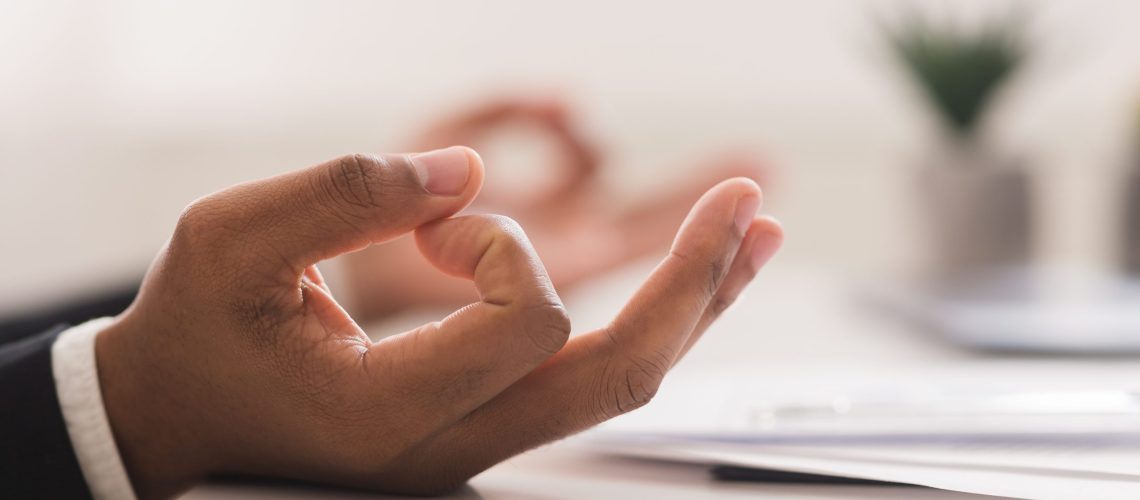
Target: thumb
316 213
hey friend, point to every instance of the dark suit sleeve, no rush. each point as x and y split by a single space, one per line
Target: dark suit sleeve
36 459
73 312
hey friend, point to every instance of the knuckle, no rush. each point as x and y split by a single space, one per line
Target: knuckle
720 304
367 182
503 225
206 245
548 327
355 180
206 229
197 221
632 382
708 269
502 234
212 246
508 235
639 385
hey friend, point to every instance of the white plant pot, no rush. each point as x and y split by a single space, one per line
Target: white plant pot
977 214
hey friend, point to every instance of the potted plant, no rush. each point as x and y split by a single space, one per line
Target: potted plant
976 201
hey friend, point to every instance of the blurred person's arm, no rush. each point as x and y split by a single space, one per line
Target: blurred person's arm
236 359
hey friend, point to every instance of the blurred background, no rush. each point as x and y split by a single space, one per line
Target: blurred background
116 114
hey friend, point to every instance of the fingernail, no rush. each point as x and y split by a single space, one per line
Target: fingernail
764 248
746 210
443 171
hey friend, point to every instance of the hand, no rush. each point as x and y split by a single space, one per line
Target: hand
235 358
574 218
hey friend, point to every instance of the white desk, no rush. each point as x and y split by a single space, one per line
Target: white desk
791 326
553 473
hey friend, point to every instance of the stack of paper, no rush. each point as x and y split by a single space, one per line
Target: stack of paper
987 440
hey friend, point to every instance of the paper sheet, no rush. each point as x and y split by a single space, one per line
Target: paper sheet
986 480
697 425
1047 479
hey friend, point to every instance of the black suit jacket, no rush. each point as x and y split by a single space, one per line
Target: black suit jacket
36 458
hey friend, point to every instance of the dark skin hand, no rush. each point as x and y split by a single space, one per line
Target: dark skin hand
571 217
236 359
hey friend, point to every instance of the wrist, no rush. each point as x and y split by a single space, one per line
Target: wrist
157 445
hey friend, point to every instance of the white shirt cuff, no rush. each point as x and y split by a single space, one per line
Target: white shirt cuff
81 400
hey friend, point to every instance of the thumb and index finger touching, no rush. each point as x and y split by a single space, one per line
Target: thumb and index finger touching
343 205
304 217
346 204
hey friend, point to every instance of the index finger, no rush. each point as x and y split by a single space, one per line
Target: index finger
443 370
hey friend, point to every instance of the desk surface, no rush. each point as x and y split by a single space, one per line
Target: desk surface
556 472
792 325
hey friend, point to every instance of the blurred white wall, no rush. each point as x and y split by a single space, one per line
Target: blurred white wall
115 114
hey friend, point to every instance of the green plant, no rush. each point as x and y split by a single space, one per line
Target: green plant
960 69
